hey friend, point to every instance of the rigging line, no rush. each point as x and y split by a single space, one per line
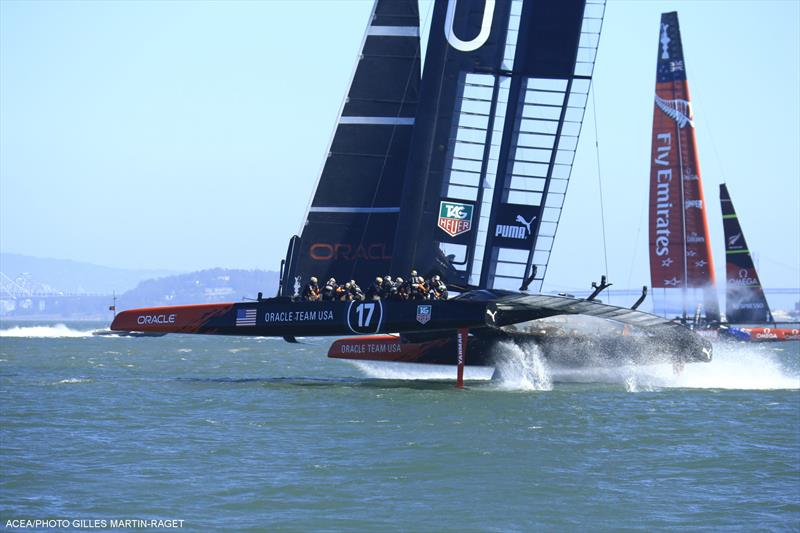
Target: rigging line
706 124
636 243
599 180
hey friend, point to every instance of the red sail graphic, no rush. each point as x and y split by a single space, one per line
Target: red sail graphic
681 265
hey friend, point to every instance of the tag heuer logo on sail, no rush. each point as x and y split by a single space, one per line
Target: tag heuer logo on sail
455 218
423 314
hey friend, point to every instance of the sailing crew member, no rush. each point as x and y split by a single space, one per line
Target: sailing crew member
399 289
355 291
387 288
343 293
311 292
329 290
375 290
438 289
417 288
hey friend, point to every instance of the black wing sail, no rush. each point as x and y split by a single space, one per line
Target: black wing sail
350 225
745 301
495 136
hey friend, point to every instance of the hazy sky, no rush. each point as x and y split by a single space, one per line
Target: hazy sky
188 135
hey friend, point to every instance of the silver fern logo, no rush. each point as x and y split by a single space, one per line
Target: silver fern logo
678 110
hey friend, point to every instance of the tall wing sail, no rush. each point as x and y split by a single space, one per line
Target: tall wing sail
350 226
745 301
681 265
502 100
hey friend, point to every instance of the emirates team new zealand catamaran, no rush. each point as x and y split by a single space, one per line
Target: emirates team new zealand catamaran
681 263
481 147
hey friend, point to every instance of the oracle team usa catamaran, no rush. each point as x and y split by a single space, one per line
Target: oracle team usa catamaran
481 148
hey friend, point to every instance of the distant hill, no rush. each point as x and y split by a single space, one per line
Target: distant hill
83 291
61 275
205 286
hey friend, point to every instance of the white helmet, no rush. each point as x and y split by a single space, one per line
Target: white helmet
313 279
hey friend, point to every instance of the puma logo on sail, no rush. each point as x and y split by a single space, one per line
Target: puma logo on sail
521 220
515 232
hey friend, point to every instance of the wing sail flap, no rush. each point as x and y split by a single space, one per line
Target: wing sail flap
745 301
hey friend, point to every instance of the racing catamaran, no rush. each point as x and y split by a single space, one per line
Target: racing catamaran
745 302
681 263
462 173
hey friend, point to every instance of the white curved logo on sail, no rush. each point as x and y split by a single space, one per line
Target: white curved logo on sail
678 110
483 35
524 222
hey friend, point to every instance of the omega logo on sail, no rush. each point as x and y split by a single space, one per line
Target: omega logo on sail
663 205
483 35
744 279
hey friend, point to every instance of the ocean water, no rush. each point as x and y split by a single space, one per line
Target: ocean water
255 434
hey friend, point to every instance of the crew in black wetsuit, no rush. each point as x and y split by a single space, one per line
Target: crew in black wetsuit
329 290
375 290
355 291
437 288
417 288
343 293
311 292
387 288
399 290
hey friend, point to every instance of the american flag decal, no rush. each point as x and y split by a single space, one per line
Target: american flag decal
246 317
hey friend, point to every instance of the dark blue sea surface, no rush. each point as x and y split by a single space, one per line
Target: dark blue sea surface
257 434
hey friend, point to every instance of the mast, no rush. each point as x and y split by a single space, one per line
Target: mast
681 264
745 302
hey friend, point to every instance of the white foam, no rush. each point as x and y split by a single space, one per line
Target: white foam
739 366
44 332
734 366
521 367
72 381
415 371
